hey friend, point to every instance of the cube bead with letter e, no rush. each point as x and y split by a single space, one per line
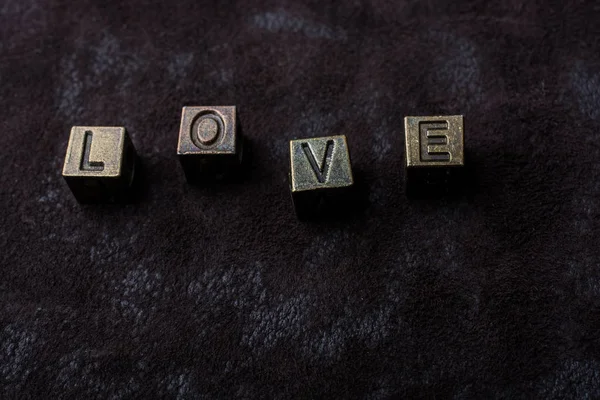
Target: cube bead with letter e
320 174
100 163
434 150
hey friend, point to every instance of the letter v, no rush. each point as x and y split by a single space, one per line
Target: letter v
322 170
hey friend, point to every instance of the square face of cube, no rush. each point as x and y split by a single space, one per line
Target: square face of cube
99 164
95 152
320 163
436 141
208 131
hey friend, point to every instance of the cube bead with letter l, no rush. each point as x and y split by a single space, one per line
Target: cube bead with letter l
100 163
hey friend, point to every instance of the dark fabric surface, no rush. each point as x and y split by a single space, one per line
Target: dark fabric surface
220 292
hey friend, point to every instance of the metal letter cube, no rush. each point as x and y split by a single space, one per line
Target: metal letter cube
210 146
434 150
321 173
99 164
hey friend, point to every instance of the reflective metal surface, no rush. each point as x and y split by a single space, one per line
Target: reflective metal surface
436 141
320 163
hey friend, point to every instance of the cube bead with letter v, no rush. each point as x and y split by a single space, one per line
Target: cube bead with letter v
320 174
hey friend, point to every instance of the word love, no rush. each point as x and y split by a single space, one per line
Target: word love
100 163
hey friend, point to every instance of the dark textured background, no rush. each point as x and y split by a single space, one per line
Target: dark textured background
220 292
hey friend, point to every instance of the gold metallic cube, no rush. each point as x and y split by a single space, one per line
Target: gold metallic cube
210 146
100 163
434 150
320 173
434 141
